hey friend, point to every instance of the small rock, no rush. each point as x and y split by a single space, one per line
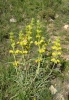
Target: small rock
12 20
52 89
66 26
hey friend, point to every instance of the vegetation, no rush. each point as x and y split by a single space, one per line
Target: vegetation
29 57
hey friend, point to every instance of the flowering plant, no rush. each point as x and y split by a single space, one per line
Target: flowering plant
31 68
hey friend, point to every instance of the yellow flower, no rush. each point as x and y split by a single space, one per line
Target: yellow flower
38 31
56 43
31 42
18 51
56 51
55 60
38 60
21 35
36 43
29 37
41 50
59 53
23 43
25 52
11 51
41 41
54 47
15 63
54 54
29 27
59 48
38 36
29 32
58 61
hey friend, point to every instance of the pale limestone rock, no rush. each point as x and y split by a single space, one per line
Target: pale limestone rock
52 89
66 26
12 20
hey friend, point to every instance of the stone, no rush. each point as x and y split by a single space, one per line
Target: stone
12 20
66 26
52 89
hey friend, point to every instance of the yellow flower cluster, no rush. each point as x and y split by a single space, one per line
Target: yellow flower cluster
23 42
42 50
29 27
38 27
22 45
40 42
11 51
16 63
56 51
55 60
22 39
18 52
